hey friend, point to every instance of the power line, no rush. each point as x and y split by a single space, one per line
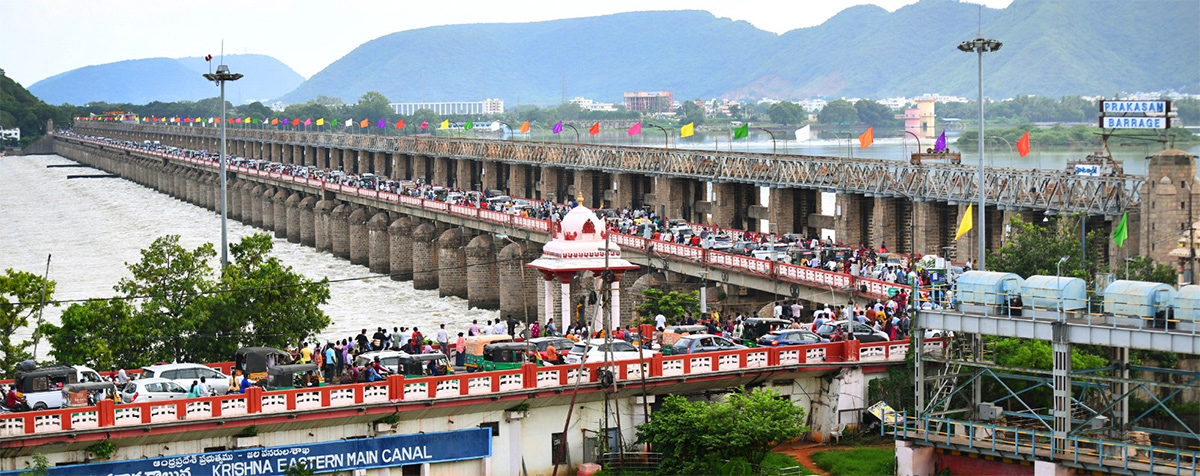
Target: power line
258 288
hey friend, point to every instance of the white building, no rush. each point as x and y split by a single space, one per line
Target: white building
484 107
590 105
14 133
812 104
895 104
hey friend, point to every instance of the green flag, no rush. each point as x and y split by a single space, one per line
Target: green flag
741 132
469 126
1120 233
335 123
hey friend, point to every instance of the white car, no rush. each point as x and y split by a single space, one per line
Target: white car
595 349
152 389
184 374
389 359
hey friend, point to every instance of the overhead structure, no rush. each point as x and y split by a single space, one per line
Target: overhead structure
581 244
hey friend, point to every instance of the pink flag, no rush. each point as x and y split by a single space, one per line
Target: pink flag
308 122
424 124
635 129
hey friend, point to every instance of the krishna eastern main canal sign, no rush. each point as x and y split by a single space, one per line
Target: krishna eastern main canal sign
364 453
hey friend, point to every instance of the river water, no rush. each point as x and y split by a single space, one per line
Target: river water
92 227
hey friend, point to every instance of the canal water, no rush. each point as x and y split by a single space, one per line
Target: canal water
92 227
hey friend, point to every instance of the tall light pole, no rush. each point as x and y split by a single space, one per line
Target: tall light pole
220 77
981 46
666 135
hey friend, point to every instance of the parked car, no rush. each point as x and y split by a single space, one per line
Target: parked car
697 343
595 349
780 252
722 243
152 389
389 359
185 374
561 344
789 337
862 332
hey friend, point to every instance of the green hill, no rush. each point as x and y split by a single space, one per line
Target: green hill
1051 47
19 108
142 81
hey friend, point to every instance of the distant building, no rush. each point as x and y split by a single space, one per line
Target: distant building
484 107
590 105
642 101
813 104
278 106
894 104
14 133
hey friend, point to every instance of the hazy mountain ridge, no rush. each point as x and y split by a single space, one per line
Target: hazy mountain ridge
1051 48
141 81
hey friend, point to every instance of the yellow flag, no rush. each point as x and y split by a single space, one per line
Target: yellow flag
321 121
445 124
688 130
965 225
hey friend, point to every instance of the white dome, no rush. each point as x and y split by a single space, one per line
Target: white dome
580 234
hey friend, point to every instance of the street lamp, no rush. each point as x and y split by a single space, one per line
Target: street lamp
666 135
1058 282
772 138
220 77
981 46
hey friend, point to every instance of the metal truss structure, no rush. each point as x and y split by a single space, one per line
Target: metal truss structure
1006 188
1115 418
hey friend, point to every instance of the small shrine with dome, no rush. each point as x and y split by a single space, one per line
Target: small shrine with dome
580 243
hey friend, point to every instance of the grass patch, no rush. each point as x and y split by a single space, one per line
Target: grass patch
857 462
780 461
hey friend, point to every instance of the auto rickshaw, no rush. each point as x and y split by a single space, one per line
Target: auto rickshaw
424 365
673 333
288 376
475 346
89 393
509 355
756 327
253 361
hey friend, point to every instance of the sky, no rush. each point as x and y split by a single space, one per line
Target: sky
43 38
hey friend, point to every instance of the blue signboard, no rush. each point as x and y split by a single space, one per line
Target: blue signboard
1134 122
363 453
1134 107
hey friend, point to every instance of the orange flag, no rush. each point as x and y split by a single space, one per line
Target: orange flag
525 127
867 137
400 124
1023 145
363 124
595 129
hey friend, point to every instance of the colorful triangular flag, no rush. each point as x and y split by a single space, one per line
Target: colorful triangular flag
635 129
966 224
867 138
525 127
1121 232
470 125
688 130
400 124
1023 147
940 145
741 132
558 127
445 124
595 129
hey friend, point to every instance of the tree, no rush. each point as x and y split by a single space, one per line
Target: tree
838 111
872 113
1035 249
786 113
373 105
172 308
100 334
698 437
673 305
21 296
262 302
256 110
170 278
1142 268
692 113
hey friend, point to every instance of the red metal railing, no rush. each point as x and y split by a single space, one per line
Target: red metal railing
397 388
